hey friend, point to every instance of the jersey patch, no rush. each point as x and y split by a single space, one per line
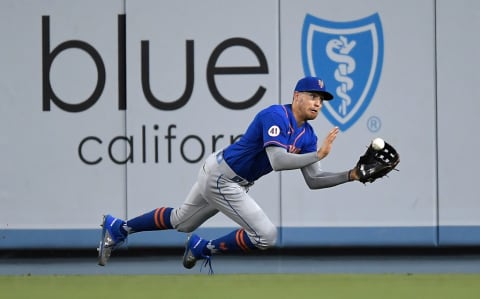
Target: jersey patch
274 131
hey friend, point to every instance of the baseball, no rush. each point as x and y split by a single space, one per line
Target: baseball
378 144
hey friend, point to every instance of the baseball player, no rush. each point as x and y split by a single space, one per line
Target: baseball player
280 137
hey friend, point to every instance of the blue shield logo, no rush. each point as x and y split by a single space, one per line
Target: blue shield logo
348 56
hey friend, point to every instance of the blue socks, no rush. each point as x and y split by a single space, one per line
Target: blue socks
157 219
236 241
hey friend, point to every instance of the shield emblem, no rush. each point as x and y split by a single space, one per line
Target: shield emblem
348 56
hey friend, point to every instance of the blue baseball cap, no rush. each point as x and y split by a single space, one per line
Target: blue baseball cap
313 84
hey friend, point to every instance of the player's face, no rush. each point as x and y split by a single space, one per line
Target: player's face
309 105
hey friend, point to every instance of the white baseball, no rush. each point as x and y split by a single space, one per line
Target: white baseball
378 144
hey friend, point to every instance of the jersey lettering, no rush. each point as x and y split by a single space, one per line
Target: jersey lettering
294 150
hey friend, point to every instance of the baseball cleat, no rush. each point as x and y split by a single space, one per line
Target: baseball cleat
112 238
193 252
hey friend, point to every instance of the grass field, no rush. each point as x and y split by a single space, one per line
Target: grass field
291 286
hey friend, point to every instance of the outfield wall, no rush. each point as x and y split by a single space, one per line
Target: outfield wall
111 107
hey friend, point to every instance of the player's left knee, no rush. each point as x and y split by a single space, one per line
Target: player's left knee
267 238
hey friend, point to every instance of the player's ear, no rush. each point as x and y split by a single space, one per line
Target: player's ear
295 95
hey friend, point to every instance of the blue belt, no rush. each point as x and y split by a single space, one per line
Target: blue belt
236 178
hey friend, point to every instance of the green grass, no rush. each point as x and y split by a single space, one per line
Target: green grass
278 286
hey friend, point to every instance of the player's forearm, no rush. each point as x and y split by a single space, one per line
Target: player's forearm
317 179
281 160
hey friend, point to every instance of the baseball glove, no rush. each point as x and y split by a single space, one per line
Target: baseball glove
376 163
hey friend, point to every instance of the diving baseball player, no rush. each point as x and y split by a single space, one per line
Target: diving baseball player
280 137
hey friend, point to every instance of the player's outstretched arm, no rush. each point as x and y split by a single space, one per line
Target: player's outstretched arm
318 179
280 159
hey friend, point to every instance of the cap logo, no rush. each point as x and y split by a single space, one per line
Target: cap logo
320 83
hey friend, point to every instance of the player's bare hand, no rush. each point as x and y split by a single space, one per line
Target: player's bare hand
324 150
